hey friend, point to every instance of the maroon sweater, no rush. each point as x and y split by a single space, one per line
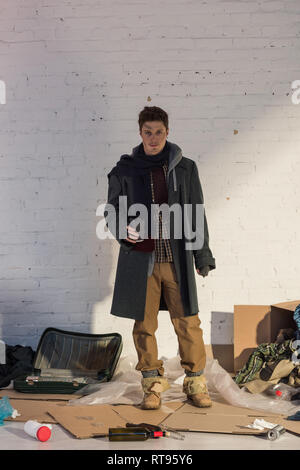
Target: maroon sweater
160 196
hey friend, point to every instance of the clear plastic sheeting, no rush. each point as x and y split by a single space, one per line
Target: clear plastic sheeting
125 388
222 386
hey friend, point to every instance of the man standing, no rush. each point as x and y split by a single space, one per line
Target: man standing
157 273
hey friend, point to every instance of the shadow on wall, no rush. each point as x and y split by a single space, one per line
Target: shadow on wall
221 329
262 331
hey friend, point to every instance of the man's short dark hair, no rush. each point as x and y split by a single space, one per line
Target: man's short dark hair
153 113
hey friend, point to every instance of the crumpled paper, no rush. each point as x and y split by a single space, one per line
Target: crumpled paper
261 424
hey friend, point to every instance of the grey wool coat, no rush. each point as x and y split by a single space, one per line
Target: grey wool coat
134 267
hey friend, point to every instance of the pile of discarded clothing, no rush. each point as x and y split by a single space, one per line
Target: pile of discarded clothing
19 360
273 363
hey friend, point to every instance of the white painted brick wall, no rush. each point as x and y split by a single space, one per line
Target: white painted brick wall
77 73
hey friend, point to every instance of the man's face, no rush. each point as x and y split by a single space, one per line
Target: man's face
154 136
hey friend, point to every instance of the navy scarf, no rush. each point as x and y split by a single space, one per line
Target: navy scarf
139 166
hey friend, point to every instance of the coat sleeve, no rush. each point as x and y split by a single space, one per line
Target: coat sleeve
203 257
111 212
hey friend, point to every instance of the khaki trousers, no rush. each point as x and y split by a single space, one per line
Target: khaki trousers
187 329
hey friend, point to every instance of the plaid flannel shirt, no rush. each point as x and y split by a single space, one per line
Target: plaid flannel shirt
163 251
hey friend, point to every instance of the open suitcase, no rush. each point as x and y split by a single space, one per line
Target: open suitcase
66 361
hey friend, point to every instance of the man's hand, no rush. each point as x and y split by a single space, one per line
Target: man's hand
133 235
203 271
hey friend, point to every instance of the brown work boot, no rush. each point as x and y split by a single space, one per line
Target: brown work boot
152 387
196 390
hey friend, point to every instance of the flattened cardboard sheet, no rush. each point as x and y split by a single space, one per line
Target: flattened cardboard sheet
86 421
32 409
293 426
219 408
135 415
95 420
220 418
11 393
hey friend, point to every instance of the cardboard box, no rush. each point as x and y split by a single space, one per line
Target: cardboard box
257 324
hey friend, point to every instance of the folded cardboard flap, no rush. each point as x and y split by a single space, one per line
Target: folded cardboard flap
289 306
257 324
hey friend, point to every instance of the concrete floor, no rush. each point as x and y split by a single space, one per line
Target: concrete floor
13 437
